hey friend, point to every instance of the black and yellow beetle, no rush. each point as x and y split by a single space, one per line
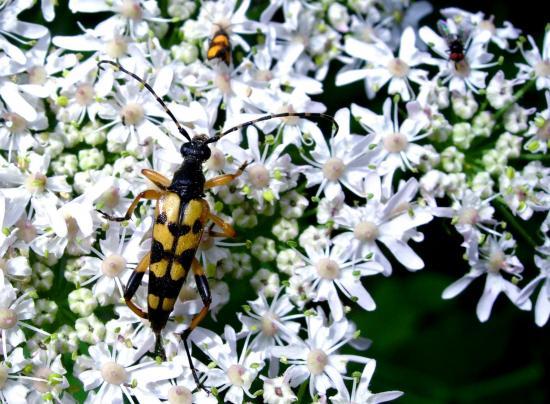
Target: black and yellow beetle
181 215
220 47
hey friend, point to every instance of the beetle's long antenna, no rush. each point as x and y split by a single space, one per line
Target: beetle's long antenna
150 89
281 115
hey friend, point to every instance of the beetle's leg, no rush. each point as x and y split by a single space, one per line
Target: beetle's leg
150 194
227 229
133 284
156 178
224 179
204 292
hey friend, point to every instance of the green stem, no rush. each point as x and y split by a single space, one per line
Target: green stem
518 95
302 391
511 219
532 157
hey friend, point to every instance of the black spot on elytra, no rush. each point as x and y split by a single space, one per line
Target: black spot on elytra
161 219
197 226
186 258
178 230
157 251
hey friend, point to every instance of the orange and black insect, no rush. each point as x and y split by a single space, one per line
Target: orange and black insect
220 47
181 216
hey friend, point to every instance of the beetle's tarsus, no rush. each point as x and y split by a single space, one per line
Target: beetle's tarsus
112 218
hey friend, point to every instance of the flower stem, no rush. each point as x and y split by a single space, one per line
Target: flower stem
533 157
511 219
302 391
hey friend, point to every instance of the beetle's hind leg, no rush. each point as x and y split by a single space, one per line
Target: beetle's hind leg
133 284
150 194
204 292
227 229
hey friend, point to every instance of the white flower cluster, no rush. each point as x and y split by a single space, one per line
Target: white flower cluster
316 212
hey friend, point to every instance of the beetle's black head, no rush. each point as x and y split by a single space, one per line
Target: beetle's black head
197 148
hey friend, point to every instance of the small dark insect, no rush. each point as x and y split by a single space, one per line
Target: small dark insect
181 217
454 41
220 47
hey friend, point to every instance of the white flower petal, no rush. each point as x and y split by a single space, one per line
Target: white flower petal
492 290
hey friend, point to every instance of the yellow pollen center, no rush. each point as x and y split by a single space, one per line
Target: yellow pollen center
269 327
395 142
8 318
496 261
27 232
235 375
333 169
542 69
316 361
179 395
366 231
543 132
468 216
15 122
84 94
36 182
114 373
398 68
327 268
42 385
37 75
113 265
258 176
132 114
131 10
116 48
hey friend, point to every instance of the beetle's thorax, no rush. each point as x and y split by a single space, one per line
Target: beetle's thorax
188 180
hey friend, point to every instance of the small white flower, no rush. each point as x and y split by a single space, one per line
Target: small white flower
113 371
234 372
542 305
538 64
360 392
12 390
317 357
330 271
491 259
277 391
397 147
468 73
266 282
383 66
14 309
271 322
539 130
344 160
385 220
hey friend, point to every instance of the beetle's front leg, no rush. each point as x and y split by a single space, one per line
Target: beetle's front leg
156 178
225 179
206 297
149 194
